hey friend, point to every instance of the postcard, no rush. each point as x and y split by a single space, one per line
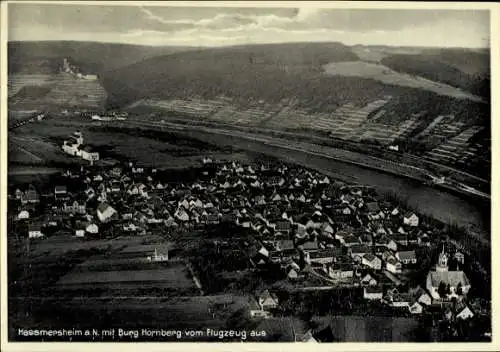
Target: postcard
248 175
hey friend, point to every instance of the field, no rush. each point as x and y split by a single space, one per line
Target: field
162 150
388 76
32 149
170 277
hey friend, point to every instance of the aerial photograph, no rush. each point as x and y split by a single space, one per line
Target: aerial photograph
181 173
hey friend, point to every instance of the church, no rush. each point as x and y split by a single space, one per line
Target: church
455 283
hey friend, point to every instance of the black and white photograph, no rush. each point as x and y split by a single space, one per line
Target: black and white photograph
252 173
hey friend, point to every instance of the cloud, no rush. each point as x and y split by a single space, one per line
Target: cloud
213 26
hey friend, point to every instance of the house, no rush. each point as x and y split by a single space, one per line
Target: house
401 300
98 178
75 208
393 266
415 307
374 211
368 280
406 257
268 300
115 186
459 256
60 192
388 242
373 293
35 231
421 296
90 193
410 219
464 312
401 239
350 240
327 229
80 229
86 153
358 251
341 271
130 227
70 147
292 273
106 212
283 226
182 215
323 256
282 245
116 172
92 229
371 261
23 215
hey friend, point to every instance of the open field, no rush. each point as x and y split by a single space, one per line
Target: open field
30 148
386 75
149 149
165 277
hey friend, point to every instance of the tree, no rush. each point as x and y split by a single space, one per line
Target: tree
442 289
459 289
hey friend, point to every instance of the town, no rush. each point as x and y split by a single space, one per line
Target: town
294 229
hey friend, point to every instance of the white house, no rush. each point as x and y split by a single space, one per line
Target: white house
80 232
368 280
268 300
23 214
407 257
410 219
416 308
70 148
465 313
105 212
92 228
181 214
35 231
86 153
371 261
393 266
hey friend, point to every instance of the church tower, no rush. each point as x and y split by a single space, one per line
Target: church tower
442 262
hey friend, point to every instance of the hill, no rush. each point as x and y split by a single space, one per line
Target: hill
45 57
270 72
459 68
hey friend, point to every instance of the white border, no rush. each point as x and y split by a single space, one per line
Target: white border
495 60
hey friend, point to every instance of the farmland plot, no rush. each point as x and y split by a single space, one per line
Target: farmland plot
388 76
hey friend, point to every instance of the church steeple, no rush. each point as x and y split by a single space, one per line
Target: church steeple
442 261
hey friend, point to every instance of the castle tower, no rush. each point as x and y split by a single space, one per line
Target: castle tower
442 262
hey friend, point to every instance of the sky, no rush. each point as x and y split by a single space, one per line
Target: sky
220 26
